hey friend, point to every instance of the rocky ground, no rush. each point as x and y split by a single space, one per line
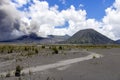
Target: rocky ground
66 65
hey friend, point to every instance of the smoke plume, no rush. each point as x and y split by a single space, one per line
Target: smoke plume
9 21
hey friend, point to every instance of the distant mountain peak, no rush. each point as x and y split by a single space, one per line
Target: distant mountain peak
118 41
89 36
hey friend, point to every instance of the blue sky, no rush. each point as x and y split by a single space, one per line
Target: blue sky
94 8
60 17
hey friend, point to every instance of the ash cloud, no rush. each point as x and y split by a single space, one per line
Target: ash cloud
9 21
41 19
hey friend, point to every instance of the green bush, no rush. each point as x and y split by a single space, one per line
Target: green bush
43 46
18 71
60 48
55 50
94 57
36 51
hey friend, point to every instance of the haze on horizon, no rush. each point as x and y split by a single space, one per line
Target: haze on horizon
58 17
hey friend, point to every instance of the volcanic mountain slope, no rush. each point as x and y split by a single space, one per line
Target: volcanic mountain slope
89 36
53 39
118 41
25 39
33 38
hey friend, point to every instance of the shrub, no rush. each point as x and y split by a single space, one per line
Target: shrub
43 47
30 53
60 48
55 50
94 57
36 51
8 74
18 71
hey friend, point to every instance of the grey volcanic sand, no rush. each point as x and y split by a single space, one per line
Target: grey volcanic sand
105 68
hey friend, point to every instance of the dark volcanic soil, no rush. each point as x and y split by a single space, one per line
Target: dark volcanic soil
105 68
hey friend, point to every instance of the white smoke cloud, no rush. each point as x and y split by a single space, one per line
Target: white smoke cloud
9 21
42 19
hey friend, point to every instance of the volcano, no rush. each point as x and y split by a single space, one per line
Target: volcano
89 36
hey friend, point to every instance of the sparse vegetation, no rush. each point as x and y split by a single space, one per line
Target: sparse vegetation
7 49
55 50
8 74
18 71
60 47
1 76
94 57
43 46
24 53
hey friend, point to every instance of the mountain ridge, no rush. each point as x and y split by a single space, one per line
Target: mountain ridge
33 38
118 41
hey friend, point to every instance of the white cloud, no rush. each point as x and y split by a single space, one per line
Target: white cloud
112 21
63 1
20 3
44 19
81 5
